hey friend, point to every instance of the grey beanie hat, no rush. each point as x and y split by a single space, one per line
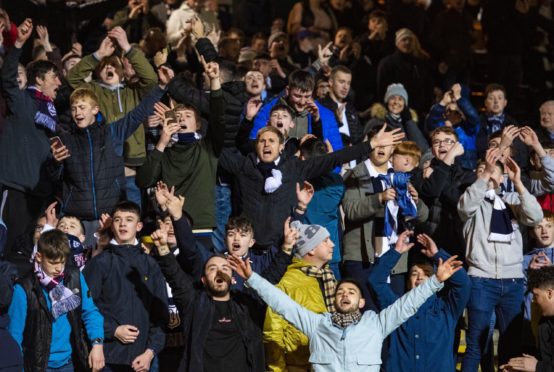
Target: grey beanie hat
396 89
309 237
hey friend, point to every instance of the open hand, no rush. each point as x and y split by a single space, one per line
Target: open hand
165 75
403 243
106 48
448 268
252 107
382 138
429 246
305 194
240 266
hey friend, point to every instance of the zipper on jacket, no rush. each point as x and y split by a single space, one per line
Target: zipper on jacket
343 336
92 174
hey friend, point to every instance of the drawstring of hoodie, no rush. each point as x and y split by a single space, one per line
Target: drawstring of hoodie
119 100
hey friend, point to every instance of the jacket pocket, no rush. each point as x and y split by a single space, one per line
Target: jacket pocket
368 360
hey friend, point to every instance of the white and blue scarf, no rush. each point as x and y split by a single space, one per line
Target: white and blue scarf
63 300
501 225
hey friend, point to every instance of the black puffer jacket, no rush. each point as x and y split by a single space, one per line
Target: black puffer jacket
93 176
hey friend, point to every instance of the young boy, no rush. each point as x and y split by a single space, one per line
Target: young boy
368 191
494 251
49 310
130 291
541 283
89 157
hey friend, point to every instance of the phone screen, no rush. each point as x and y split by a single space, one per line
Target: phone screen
170 114
56 141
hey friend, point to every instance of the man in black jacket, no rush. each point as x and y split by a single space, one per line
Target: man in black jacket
268 177
541 283
129 289
24 146
338 102
222 328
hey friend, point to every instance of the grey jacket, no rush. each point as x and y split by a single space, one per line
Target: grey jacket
542 182
361 207
355 348
494 260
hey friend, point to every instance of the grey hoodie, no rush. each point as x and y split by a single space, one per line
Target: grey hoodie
494 260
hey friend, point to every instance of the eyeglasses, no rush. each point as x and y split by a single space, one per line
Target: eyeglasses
446 142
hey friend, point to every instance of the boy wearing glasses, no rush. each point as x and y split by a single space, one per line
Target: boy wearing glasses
440 186
456 111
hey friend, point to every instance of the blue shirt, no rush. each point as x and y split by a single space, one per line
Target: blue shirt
60 346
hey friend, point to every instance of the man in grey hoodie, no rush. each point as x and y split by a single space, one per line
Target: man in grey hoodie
494 252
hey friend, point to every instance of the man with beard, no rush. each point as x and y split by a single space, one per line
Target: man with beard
344 339
223 329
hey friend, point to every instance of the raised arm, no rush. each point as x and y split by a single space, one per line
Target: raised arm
82 70
379 275
303 319
14 96
216 127
181 285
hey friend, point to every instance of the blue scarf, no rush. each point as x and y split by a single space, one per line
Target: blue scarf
406 205
186 138
501 228
77 250
495 123
46 116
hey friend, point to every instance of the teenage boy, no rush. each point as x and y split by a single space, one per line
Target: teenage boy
50 310
455 110
541 283
267 180
440 186
372 214
222 327
425 341
89 157
343 339
130 292
307 112
190 163
24 146
117 97
310 282
542 161
494 251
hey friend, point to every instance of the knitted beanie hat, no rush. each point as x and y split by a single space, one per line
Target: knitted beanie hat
396 89
309 237
402 33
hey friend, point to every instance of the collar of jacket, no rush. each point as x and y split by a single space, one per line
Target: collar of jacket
113 88
125 250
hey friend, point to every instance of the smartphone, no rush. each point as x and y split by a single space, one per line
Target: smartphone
170 114
56 141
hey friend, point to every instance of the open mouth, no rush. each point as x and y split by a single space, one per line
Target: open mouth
345 302
110 74
279 125
219 280
235 246
267 152
380 152
255 86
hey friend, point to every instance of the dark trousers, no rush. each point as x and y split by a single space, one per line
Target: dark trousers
20 212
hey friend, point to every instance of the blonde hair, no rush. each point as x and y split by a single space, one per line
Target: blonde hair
409 148
83 94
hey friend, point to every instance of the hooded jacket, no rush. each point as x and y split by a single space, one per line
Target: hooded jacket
119 100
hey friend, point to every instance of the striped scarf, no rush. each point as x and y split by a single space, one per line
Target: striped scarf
63 300
329 283
46 116
344 320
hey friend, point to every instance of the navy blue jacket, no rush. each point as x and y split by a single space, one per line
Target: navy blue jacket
128 288
424 343
93 176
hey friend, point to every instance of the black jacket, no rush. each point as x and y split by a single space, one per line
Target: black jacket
269 211
546 345
441 192
93 176
38 327
10 354
24 146
199 309
128 288
354 126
